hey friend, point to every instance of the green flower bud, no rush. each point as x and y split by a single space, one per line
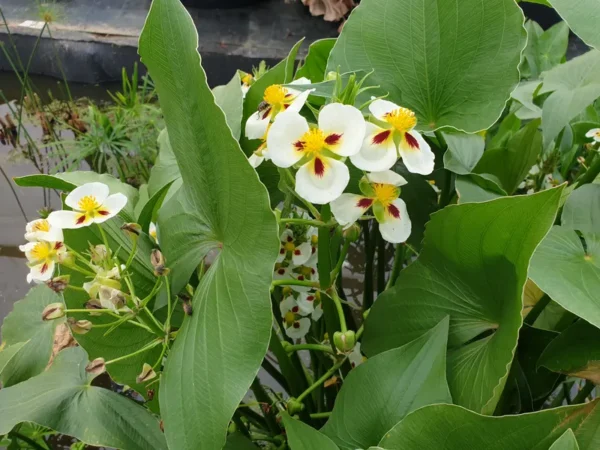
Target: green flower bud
133 230
344 342
294 406
53 311
58 284
352 233
79 326
96 367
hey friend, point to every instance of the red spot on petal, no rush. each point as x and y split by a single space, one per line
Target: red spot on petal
282 251
281 271
380 138
296 325
394 212
312 271
286 106
80 220
333 139
288 95
297 252
103 212
301 277
310 298
364 202
295 309
299 145
44 268
290 239
411 141
319 167
266 113
313 250
58 246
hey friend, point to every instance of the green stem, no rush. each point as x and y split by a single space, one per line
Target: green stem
137 352
537 310
169 306
104 239
397 267
324 254
316 347
109 311
315 223
369 256
340 310
381 262
321 415
27 440
152 293
291 282
160 357
583 393
338 267
132 253
322 380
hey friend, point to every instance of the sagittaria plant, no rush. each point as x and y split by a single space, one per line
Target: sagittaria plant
392 246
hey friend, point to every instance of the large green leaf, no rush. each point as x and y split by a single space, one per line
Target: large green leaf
165 170
25 324
219 348
63 399
569 272
511 163
582 209
473 267
304 437
574 86
581 17
379 393
545 49
575 352
454 62
566 442
231 100
464 152
315 63
8 353
471 190
451 427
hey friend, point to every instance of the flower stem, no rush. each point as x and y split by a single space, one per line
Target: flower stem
169 308
321 380
308 205
381 263
321 415
315 223
397 267
340 310
132 254
369 257
85 310
137 352
292 282
316 347
338 267
103 235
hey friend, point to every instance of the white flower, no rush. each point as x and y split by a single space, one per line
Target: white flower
42 258
321 178
307 272
300 253
280 272
152 231
276 99
306 302
318 312
594 133
42 230
296 326
107 278
393 132
381 192
111 298
91 204
356 358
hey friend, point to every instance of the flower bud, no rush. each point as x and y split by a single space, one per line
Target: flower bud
294 406
93 304
79 326
58 284
344 342
98 253
147 374
44 212
581 160
53 311
96 367
352 233
158 262
133 230
187 307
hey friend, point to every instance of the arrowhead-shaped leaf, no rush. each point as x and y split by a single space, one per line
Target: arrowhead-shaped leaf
219 348
454 62
566 442
473 267
62 399
380 392
303 437
452 427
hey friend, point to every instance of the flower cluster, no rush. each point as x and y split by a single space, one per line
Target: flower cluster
319 153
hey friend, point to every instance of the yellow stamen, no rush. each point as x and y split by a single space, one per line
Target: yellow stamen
314 239
88 204
289 247
41 225
385 193
289 318
306 271
402 119
313 141
247 79
275 95
42 251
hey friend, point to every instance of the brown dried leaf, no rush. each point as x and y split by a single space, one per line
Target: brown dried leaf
62 339
331 10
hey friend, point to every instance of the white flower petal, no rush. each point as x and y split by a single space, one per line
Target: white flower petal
355 357
255 160
298 329
67 219
379 108
387 177
593 132
346 123
287 305
299 101
318 312
257 124
287 129
397 225
325 188
378 151
347 208
34 231
97 190
301 254
416 154
281 273
287 235
112 205
41 272
153 232
306 303
301 80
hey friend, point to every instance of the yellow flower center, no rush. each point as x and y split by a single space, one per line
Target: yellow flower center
247 79
306 271
385 193
289 247
402 119
41 225
597 133
88 204
42 251
275 95
314 239
313 141
289 318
